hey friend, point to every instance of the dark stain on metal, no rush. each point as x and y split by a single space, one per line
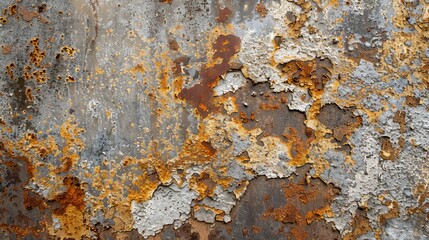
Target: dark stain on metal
257 216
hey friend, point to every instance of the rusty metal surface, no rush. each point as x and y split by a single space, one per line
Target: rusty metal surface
214 119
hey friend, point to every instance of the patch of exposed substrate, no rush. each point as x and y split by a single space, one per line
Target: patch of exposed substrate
230 83
258 52
359 181
256 56
222 200
169 205
419 126
172 204
269 159
364 86
370 177
404 229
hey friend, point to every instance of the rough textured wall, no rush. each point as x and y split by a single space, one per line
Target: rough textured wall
211 119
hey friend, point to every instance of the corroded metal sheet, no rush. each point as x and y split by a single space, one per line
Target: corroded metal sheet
214 119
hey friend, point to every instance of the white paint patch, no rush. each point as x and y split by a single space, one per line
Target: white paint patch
169 205
231 83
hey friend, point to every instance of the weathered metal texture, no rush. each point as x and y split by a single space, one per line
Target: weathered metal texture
214 119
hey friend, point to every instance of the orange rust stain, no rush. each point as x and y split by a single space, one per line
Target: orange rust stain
200 95
74 195
296 22
9 71
422 210
298 147
3 20
164 173
360 225
194 153
261 9
70 79
69 50
318 214
313 74
13 10
333 3
298 191
203 184
163 80
392 213
139 68
40 76
239 191
211 150
244 118
73 224
36 55
146 186
72 144
306 202
269 106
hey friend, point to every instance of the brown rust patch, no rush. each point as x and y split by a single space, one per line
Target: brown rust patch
269 106
37 55
300 195
74 195
200 95
29 94
259 107
146 184
203 184
69 50
392 213
211 150
261 9
223 14
360 225
422 209
342 122
388 151
6 49
173 45
399 118
296 212
179 62
3 20
139 68
10 71
27 15
412 101
40 76
312 74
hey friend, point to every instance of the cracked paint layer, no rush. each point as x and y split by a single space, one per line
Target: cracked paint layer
214 119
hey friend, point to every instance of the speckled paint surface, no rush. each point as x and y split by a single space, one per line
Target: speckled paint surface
214 119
